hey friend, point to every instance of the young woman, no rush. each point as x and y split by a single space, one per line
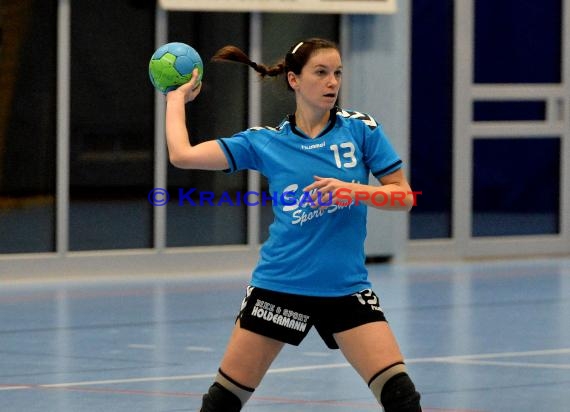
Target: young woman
311 270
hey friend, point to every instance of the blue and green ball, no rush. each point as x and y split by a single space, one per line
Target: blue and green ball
172 64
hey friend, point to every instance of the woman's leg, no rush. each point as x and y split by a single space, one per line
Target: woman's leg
249 355
369 348
374 353
247 358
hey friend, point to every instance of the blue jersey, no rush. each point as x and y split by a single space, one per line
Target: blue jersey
313 252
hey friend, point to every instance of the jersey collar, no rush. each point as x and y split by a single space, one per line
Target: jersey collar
330 125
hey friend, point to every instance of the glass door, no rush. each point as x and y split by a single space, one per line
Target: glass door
511 128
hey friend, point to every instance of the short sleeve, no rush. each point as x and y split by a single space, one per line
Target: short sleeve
379 154
239 151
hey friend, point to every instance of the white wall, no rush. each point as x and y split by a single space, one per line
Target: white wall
376 57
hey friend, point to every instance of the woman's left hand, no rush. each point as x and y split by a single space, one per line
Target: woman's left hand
327 191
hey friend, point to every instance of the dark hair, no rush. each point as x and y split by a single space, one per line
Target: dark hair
294 60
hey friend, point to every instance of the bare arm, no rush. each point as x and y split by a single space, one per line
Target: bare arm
205 156
394 194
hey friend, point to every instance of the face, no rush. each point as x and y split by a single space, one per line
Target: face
318 84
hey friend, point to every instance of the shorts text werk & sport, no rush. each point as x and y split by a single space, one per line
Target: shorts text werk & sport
288 317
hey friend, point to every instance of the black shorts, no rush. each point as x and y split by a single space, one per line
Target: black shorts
288 318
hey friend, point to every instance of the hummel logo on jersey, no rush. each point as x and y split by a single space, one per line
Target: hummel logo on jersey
369 121
313 146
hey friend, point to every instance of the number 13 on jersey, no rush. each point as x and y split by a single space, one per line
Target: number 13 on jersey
344 155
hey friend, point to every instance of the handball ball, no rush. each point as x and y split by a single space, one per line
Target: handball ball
172 64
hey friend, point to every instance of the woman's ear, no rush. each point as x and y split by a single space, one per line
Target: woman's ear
292 79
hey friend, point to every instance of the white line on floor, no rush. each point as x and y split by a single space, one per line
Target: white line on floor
457 359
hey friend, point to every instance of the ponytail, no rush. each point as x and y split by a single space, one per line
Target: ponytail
235 54
294 60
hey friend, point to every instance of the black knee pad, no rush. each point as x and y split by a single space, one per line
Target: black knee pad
219 399
399 395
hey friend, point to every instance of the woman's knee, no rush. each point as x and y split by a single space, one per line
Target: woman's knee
225 395
394 390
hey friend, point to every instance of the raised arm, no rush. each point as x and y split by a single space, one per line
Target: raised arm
207 155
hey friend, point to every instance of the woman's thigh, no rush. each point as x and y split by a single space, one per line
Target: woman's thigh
369 348
248 356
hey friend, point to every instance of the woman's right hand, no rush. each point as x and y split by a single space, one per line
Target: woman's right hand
189 90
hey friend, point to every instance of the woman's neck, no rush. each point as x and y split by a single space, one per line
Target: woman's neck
311 124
